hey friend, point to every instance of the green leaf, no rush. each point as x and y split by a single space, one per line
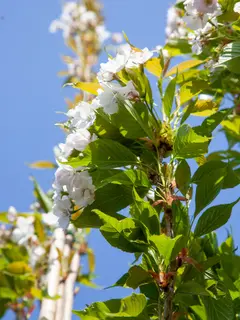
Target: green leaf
232 127
143 211
90 87
181 223
192 288
183 176
188 144
135 277
208 188
211 123
230 52
104 153
177 47
213 218
7 293
130 307
207 169
104 128
39 229
44 200
168 98
154 66
128 234
142 121
128 122
190 89
184 66
18 268
219 309
42 164
128 178
199 311
167 247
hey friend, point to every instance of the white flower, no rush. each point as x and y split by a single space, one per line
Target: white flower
126 57
49 219
102 33
63 176
12 214
36 253
77 184
110 68
82 116
80 139
82 189
109 95
117 37
88 18
195 40
138 57
202 7
77 140
62 209
24 230
175 24
237 7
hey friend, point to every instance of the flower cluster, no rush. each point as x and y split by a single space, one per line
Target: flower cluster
201 17
23 234
196 22
74 188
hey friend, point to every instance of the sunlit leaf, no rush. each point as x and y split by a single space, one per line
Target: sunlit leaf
184 66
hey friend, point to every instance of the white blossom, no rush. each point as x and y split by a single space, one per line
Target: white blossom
49 219
175 25
12 214
194 7
237 7
126 57
82 116
117 37
77 140
137 57
24 230
62 209
102 33
195 40
82 189
110 93
78 184
35 254
88 18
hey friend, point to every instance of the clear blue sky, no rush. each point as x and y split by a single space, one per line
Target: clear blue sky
31 93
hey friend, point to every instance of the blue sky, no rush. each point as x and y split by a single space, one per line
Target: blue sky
31 93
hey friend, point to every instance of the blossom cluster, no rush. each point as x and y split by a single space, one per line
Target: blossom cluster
73 187
85 32
196 22
24 235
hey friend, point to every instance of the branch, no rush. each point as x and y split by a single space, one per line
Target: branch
48 307
69 286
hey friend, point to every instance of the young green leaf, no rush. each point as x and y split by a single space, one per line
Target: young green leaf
188 144
44 200
129 235
213 218
168 98
167 247
131 307
208 188
104 153
183 176
143 211
190 89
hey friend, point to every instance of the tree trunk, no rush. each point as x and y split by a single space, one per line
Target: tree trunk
48 307
69 286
